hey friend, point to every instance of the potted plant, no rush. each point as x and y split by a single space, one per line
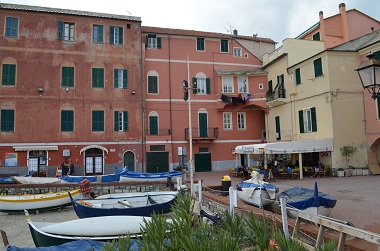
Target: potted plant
340 172
359 171
365 171
348 151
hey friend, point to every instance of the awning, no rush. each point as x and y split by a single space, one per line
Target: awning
251 149
301 146
93 146
36 148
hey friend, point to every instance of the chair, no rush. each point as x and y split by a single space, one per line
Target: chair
232 172
325 172
295 173
283 173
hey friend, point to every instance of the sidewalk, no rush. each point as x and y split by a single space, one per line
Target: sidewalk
357 196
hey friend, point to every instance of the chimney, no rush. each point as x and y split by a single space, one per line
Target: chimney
235 33
343 18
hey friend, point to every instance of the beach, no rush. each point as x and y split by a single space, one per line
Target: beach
16 226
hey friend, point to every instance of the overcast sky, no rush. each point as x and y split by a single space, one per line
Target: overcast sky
275 19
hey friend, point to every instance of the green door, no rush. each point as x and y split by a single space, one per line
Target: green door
203 162
157 162
202 124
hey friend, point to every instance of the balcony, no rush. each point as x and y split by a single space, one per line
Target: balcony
159 132
276 97
202 134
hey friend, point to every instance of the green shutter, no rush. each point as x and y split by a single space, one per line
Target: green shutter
152 84
278 128
313 119
120 35
298 76
158 43
208 86
194 85
377 55
125 121
100 34
153 125
116 121
112 34
115 78
318 67
60 30
9 74
300 115
317 37
378 107
125 79
67 121
270 85
7 120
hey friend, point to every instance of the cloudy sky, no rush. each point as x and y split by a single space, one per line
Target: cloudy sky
275 19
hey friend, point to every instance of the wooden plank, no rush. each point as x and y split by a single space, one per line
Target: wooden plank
4 237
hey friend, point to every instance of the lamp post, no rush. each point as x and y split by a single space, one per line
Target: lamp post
369 74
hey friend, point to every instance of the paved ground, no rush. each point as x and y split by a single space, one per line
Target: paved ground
358 197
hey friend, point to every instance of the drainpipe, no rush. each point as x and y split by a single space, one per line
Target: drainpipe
143 139
170 103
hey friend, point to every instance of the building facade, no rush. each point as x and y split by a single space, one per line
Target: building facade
70 90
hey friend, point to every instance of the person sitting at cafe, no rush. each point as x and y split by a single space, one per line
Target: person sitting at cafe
243 170
320 166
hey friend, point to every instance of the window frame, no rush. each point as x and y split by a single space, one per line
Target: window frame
238 52
120 121
227 121
67 76
8 74
308 120
153 41
116 35
97 120
7 120
242 80
98 34
120 78
67 120
97 77
224 46
297 73
318 67
241 121
153 123
200 44
227 84
11 27
153 85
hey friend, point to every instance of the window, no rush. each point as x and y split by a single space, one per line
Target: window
228 84
9 74
298 76
200 44
7 120
237 52
261 86
66 31
98 34
11 27
120 121
308 120
152 82
378 107
153 123
227 121
278 128
67 76
97 121
116 35
317 36
223 45
120 78
67 121
153 42
318 67
202 84
241 121
243 84
270 86
97 77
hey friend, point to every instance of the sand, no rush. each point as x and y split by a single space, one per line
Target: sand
17 229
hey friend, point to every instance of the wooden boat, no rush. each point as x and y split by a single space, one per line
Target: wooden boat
135 204
101 178
308 200
256 192
103 229
17 203
36 180
149 177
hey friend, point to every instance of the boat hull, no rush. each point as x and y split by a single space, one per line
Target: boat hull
149 177
33 202
255 197
135 204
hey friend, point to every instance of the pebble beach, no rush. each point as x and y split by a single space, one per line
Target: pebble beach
17 229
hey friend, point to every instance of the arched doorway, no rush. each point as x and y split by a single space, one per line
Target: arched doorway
94 159
129 160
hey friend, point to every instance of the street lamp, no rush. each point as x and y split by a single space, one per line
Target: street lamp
369 74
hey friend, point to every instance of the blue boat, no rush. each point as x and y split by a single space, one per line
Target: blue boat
102 178
133 204
309 200
149 177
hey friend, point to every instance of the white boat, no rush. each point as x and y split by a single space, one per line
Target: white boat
36 180
149 177
106 228
17 203
256 192
309 200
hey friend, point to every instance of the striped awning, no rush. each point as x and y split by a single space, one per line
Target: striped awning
36 148
93 146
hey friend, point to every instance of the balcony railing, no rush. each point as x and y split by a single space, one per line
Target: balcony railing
276 94
159 132
200 134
